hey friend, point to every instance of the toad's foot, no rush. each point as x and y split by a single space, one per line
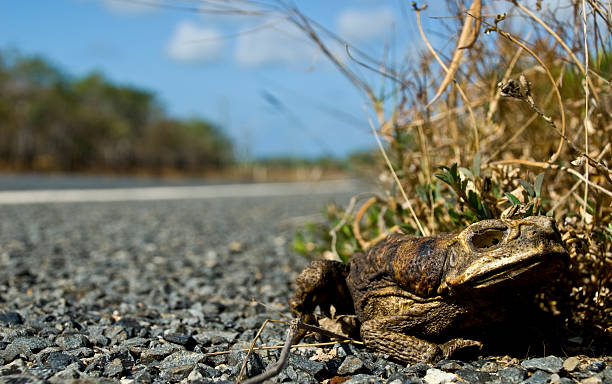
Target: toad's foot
384 336
322 284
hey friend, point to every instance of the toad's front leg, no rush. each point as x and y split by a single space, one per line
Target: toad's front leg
322 284
384 335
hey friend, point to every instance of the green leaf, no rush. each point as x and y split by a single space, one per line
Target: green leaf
476 164
527 187
487 211
346 230
538 184
437 191
467 173
444 178
512 198
454 173
422 193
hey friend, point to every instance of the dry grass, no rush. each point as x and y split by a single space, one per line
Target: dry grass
526 115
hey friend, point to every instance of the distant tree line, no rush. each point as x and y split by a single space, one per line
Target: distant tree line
51 121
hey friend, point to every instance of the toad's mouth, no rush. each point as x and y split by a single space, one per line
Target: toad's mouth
505 273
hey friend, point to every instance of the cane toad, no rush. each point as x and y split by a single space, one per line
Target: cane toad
415 297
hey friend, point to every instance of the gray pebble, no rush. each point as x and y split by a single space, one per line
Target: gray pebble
215 337
418 369
158 352
80 353
450 365
185 340
181 359
596 366
512 375
11 318
315 369
20 379
474 376
113 368
116 334
551 364
27 345
72 341
538 377
350 366
364 379
400 378
15 367
61 360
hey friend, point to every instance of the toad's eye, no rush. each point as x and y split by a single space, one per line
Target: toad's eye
488 238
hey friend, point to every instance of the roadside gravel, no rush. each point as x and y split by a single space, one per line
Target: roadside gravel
163 292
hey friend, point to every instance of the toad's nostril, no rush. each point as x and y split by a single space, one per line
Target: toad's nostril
488 238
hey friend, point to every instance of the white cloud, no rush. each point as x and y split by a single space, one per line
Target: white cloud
365 25
195 44
127 7
283 43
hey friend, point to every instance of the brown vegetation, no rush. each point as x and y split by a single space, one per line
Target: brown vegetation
513 120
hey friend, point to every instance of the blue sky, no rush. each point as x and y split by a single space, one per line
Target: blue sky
256 76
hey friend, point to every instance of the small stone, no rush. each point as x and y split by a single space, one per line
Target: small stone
136 345
158 352
436 376
60 360
571 363
126 358
399 378
596 366
315 369
31 344
181 359
13 368
21 379
235 246
67 375
207 371
11 352
195 375
474 376
215 337
185 340
142 374
591 380
350 366
538 377
131 326
551 364
72 341
97 363
11 318
113 368
449 365
489 367
80 353
363 379
555 378
418 369
116 334
512 375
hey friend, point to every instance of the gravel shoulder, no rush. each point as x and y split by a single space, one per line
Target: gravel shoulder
162 291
